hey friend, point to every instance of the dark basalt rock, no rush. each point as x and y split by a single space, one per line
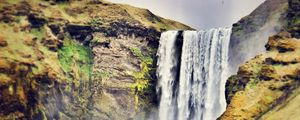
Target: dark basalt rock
126 29
36 20
282 49
61 1
237 83
83 33
95 2
294 18
54 28
271 61
123 28
232 86
57 31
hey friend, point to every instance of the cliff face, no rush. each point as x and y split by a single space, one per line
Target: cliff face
265 81
251 32
78 59
267 86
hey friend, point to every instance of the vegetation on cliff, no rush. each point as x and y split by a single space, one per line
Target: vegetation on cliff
265 81
65 59
268 85
294 18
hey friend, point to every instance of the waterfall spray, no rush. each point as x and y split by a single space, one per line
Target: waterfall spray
192 76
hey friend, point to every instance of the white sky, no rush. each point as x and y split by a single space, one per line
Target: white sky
199 14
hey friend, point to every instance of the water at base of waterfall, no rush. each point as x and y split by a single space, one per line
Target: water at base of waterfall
192 74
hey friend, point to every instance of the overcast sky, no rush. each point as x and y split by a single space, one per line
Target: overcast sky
199 14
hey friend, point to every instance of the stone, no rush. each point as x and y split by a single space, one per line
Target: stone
3 42
79 32
36 20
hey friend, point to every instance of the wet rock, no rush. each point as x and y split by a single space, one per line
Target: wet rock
232 86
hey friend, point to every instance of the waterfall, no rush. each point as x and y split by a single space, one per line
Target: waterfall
168 68
192 74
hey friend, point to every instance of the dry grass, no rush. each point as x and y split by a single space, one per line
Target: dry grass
260 95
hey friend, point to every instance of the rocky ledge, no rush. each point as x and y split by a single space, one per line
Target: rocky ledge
64 59
265 81
267 86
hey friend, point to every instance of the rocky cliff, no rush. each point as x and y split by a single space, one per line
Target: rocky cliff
267 86
64 59
265 81
253 31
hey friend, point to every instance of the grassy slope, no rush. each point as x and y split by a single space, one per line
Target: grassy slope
267 79
266 87
288 110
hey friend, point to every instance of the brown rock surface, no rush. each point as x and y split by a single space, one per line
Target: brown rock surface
270 79
78 59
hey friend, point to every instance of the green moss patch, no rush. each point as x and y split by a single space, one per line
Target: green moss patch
144 87
76 57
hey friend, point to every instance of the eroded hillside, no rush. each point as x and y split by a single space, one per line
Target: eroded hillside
267 86
253 30
265 81
77 59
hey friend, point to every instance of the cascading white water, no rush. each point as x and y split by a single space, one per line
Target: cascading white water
167 62
192 75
